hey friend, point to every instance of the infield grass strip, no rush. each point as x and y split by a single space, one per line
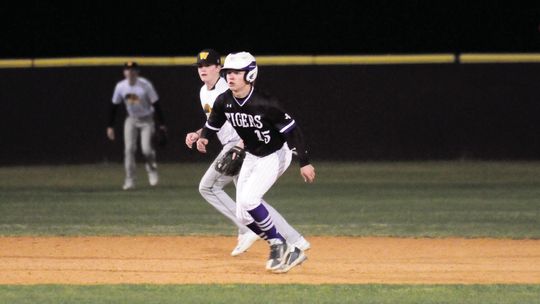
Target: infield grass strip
418 199
459 294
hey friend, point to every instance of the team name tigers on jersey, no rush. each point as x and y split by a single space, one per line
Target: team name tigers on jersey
244 120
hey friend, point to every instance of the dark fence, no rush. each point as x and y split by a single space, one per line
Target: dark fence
361 112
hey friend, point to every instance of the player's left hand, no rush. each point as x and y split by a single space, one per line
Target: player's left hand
201 144
160 137
191 138
308 173
110 134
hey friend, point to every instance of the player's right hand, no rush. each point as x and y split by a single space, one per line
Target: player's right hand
110 133
308 173
201 145
191 138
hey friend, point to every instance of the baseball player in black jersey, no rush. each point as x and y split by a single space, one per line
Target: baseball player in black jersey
213 182
270 136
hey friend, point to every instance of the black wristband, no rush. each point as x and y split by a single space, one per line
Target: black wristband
205 132
303 162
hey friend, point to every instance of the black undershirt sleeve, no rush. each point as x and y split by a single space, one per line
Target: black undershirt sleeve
216 119
159 113
112 114
206 132
295 140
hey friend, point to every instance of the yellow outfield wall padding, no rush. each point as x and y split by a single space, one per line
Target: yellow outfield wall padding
385 59
499 58
262 60
16 63
285 60
279 60
108 61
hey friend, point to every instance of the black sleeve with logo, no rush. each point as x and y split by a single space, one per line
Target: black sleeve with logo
290 130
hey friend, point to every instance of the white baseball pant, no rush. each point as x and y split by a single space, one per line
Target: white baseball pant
132 127
211 189
257 176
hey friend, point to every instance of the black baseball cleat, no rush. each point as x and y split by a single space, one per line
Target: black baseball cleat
294 257
278 252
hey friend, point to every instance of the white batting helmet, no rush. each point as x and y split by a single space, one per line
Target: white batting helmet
242 61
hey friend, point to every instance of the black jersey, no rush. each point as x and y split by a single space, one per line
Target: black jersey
259 120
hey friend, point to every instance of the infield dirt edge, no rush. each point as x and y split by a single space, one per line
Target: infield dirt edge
207 260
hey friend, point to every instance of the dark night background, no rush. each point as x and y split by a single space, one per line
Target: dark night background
357 112
87 28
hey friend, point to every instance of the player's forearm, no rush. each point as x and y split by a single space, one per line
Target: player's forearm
159 113
209 127
112 114
205 132
214 122
295 140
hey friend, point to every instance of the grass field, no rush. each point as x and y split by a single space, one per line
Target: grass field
424 199
403 294
470 199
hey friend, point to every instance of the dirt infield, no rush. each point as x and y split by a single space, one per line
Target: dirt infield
181 260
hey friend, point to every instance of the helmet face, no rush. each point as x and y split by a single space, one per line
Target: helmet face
242 61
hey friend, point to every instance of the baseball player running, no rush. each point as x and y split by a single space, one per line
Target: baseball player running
141 101
213 182
269 133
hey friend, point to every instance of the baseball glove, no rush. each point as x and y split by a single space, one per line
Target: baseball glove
231 162
160 138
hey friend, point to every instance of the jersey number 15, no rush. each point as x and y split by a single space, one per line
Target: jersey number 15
263 136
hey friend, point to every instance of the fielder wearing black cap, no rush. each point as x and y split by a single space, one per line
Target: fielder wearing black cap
131 65
208 57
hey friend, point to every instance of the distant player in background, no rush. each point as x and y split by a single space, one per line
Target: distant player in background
141 101
213 182
270 135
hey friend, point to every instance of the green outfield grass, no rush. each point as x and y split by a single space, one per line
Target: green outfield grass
238 294
431 199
